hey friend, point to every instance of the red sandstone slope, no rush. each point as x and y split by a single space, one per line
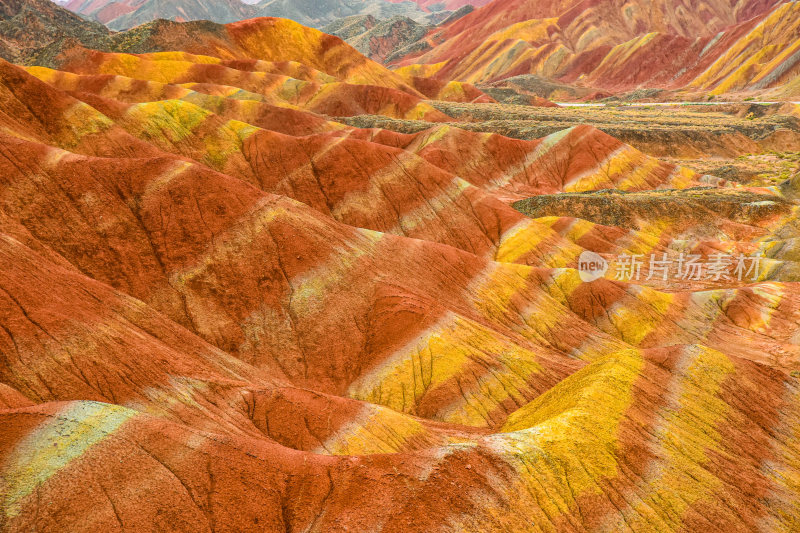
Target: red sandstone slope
303 326
334 171
609 16
236 466
265 39
621 46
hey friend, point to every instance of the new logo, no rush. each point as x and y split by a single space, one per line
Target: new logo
591 266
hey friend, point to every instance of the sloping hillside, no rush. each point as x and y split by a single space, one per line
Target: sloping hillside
223 309
711 47
210 292
28 26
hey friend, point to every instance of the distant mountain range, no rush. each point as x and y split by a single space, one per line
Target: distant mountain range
124 14
446 5
319 13
605 46
618 45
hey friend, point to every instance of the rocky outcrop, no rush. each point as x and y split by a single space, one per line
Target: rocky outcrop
351 27
381 39
29 26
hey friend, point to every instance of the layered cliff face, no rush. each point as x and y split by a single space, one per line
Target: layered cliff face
711 46
222 309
